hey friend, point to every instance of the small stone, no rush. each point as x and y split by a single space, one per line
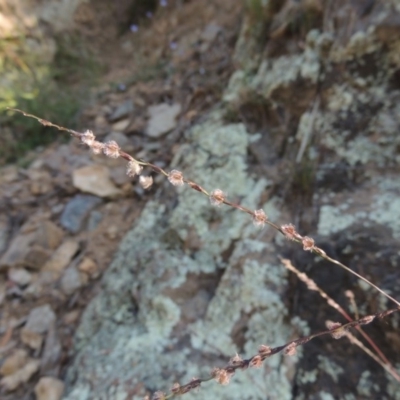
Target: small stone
112 232
71 281
40 319
31 247
162 119
49 235
12 382
36 257
50 361
20 276
49 388
33 340
8 174
95 179
62 257
123 110
120 126
40 181
4 234
14 362
17 250
77 210
71 317
89 267
94 219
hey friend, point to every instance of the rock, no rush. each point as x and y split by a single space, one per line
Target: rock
20 276
40 181
123 110
120 126
12 382
50 361
209 34
77 210
40 320
94 219
14 362
49 388
31 247
4 234
8 174
162 119
62 257
36 257
18 250
95 179
71 281
71 317
49 235
32 339
88 267
119 176
3 291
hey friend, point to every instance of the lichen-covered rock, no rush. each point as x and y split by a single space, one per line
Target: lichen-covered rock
167 305
193 284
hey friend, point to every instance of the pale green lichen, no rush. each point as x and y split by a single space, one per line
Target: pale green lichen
330 367
366 385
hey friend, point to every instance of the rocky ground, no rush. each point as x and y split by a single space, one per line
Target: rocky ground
64 214
111 291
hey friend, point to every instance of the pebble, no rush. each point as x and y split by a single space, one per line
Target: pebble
20 276
88 267
95 179
71 281
77 210
61 257
14 362
49 388
122 111
162 119
12 382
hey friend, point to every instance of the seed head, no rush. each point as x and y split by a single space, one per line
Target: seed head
133 168
176 178
111 149
366 320
97 147
290 349
176 387
146 181
236 360
264 351
290 231
259 218
158 396
256 361
308 243
88 138
221 376
335 327
217 197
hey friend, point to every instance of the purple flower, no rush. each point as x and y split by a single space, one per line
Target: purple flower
163 3
134 28
173 45
149 14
